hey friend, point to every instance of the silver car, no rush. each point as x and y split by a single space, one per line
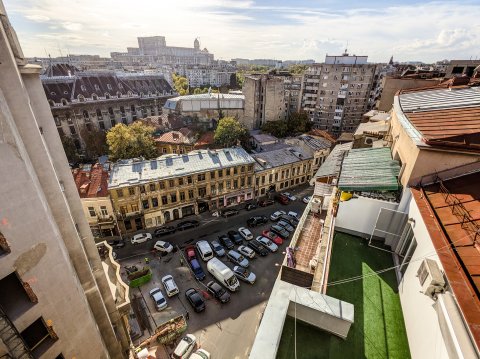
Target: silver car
158 298
244 274
237 258
267 243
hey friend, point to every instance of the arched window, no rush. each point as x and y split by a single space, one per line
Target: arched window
110 111
107 95
119 94
81 98
85 114
51 102
64 102
94 97
99 112
129 94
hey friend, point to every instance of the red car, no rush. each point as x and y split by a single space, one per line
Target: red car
265 203
190 253
273 237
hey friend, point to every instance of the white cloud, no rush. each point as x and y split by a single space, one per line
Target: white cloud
244 29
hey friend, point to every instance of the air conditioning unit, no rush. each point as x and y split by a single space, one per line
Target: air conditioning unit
431 278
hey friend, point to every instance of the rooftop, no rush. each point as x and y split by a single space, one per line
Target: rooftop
369 169
380 127
447 117
281 157
184 135
455 233
323 134
91 182
316 143
263 137
205 140
131 172
333 162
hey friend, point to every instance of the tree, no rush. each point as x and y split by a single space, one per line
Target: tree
276 128
70 149
240 79
131 141
181 84
229 131
95 142
299 122
297 69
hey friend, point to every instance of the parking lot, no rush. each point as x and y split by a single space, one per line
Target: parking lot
225 330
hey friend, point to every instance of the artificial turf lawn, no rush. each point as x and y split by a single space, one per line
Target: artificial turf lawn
378 330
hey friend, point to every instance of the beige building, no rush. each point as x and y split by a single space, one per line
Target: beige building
92 186
55 299
264 100
176 142
435 129
336 93
151 193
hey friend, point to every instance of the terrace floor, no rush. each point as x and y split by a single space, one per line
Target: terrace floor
378 330
307 243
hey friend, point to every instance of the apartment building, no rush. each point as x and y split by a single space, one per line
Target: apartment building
150 193
264 100
176 142
207 75
336 93
101 99
55 299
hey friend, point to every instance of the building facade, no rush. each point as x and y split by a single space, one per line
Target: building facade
207 75
336 93
264 100
150 193
55 299
84 100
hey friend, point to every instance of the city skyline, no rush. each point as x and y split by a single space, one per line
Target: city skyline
254 29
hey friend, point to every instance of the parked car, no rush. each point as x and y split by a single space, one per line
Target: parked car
237 258
258 248
246 251
244 274
190 253
204 249
306 199
200 354
170 286
282 198
187 225
276 215
289 219
185 347
273 237
226 241
141 238
195 299
158 298
286 225
267 243
294 215
116 243
290 196
164 230
163 247
280 231
229 212
218 292
235 237
197 269
256 220
217 248
250 206
265 203
245 233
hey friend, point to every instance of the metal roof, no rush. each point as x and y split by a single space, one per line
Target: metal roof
281 157
440 99
369 169
130 172
331 166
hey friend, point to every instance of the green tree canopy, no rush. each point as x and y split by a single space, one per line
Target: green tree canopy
181 84
297 69
70 149
131 141
95 142
229 131
298 122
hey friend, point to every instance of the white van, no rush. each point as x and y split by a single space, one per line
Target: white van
223 274
204 249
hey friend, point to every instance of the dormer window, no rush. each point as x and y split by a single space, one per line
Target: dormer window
120 86
94 96
52 93
64 102
81 98
109 86
97 88
107 95
119 94
83 87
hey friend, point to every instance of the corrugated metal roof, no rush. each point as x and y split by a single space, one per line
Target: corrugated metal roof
281 157
127 173
440 99
331 166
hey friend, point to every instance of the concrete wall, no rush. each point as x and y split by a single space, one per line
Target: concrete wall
359 215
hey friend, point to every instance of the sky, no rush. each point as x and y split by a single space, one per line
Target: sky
283 30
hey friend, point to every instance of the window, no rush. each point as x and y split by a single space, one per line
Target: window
101 125
228 184
242 182
134 207
189 179
212 175
20 296
145 204
131 191
276 177
38 336
250 167
154 202
161 184
103 210
220 187
190 193
270 178
242 169
201 177
220 173
202 191
257 181
152 187
249 181
182 196
180 181
164 200
235 170
128 225
171 183
123 210
120 192
72 129
406 247
91 211
235 184
142 189
173 197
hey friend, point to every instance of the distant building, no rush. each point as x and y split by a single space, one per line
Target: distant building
336 93
207 75
101 99
461 67
264 99
154 50
176 142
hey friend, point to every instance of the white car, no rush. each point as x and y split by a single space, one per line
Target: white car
291 197
200 354
246 251
185 347
170 286
162 246
294 215
306 199
245 233
158 298
267 243
141 238
276 215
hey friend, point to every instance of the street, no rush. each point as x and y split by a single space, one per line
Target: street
225 330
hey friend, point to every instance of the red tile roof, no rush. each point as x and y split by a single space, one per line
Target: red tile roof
92 183
324 134
206 140
451 212
184 136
